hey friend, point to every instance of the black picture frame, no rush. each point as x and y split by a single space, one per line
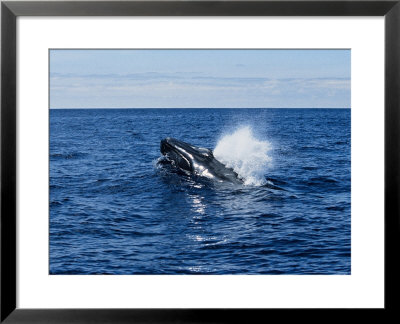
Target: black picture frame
10 10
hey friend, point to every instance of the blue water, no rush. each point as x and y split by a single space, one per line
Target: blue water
114 210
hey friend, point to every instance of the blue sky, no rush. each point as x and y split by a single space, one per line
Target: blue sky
199 78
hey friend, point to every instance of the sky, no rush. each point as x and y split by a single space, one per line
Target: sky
200 78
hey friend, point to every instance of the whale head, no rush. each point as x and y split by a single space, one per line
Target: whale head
183 155
196 160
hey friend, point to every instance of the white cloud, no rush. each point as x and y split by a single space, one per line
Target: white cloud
194 90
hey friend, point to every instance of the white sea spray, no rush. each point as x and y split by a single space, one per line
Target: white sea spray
247 155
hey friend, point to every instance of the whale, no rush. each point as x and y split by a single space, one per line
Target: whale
199 161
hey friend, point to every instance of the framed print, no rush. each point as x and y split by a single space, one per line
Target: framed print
189 161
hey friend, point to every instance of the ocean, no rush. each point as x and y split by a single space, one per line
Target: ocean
114 209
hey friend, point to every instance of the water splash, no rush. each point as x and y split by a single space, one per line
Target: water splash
244 153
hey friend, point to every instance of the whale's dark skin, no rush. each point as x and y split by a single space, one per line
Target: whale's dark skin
196 160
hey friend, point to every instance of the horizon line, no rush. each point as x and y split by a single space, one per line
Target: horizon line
55 108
